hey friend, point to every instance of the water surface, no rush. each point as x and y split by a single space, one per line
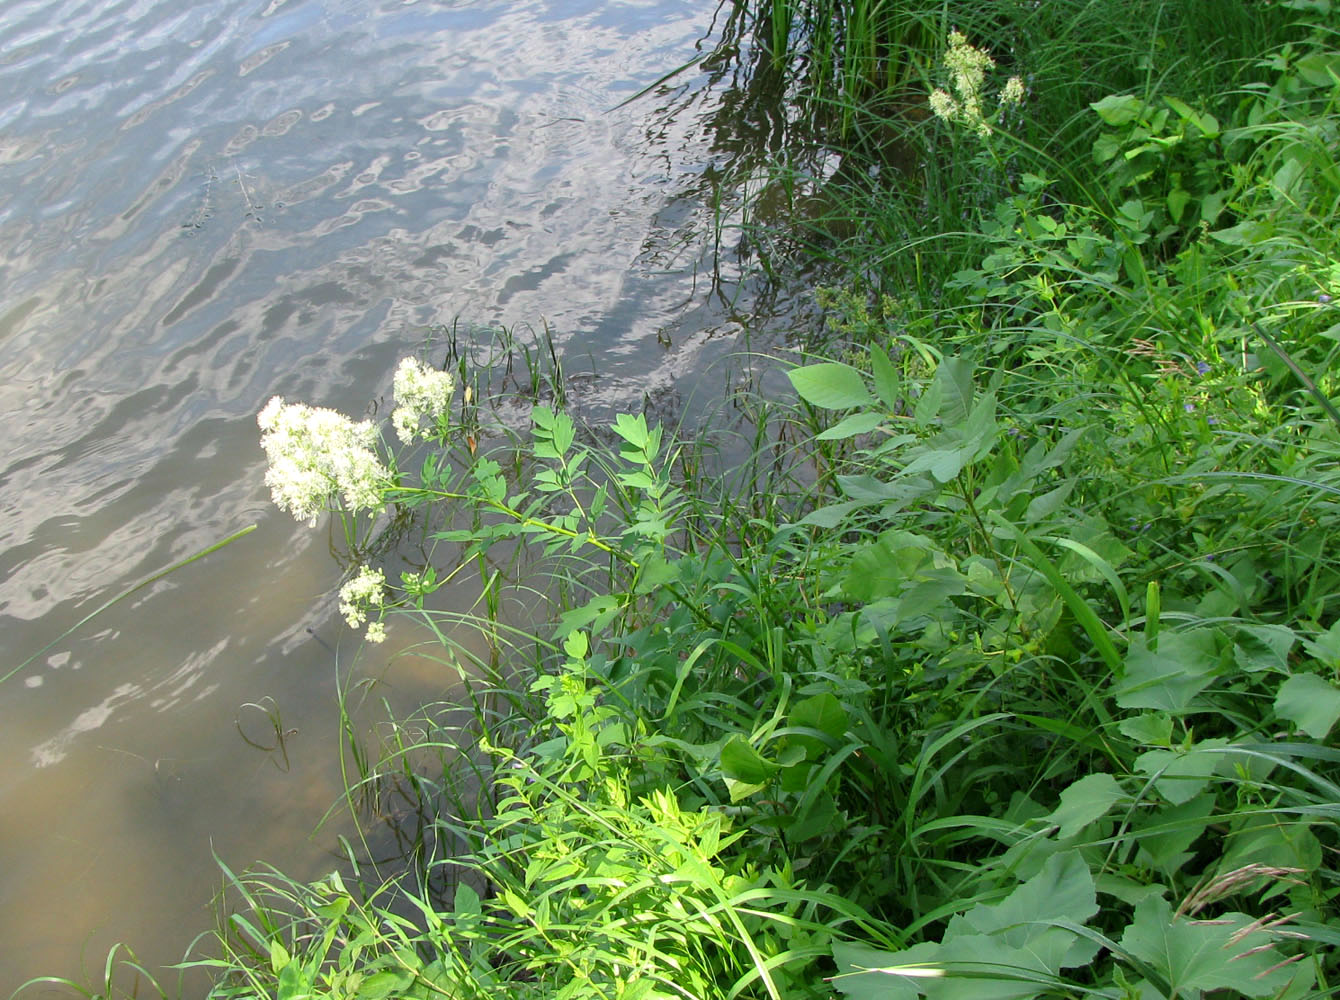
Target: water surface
204 203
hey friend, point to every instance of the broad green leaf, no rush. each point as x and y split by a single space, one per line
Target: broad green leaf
1085 801
885 567
942 463
1310 702
1168 679
466 902
279 956
954 376
822 712
887 384
741 762
1264 647
1150 728
1177 201
831 385
1269 840
1118 109
1062 891
850 426
289 985
1007 951
866 973
632 429
1181 775
576 645
1319 68
1166 833
382 984
1194 956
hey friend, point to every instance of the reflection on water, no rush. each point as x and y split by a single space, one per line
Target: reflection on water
204 203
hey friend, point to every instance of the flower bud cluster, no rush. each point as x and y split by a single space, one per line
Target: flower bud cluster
967 67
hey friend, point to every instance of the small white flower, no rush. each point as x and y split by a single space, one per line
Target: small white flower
420 391
319 460
364 592
376 632
967 66
943 105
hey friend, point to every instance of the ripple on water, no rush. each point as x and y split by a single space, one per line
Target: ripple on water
204 203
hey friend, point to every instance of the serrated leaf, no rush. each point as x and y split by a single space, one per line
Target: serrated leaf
1195 956
1310 702
831 385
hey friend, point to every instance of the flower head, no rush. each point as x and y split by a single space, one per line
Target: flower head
968 66
1013 91
420 391
363 593
319 460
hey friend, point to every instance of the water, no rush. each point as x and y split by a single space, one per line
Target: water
204 203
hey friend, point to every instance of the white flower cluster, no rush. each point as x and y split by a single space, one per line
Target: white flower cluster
319 459
967 67
365 592
420 391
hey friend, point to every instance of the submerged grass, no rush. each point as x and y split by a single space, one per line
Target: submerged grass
1006 662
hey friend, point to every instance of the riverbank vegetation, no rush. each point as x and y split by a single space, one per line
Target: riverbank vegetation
1001 662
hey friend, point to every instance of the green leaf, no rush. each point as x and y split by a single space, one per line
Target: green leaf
1194 956
466 902
850 426
1310 702
1009 951
741 762
1168 679
1165 833
1150 728
887 384
824 713
576 645
954 376
866 973
831 385
1062 891
1181 775
382 984
1119 109
1085 801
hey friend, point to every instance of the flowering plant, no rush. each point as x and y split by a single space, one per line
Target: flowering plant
320 460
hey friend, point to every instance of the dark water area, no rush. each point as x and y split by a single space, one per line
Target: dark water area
204 203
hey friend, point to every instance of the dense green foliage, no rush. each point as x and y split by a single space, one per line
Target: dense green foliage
1015 677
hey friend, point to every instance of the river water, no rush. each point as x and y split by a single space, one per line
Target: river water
204 203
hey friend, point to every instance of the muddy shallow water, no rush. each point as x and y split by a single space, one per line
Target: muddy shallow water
204 203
